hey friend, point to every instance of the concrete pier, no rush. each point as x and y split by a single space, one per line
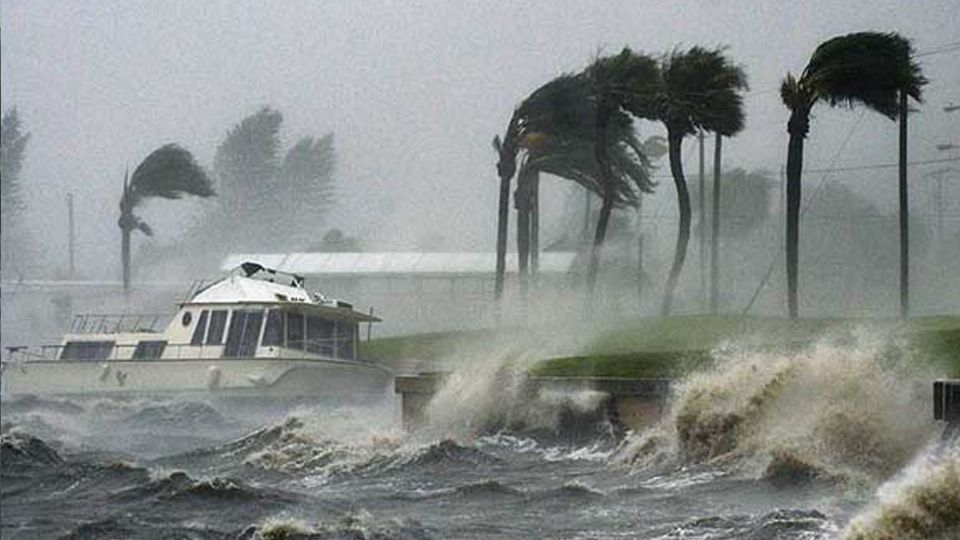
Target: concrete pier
631 403
946 407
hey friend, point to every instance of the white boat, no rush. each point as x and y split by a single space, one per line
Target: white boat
255 333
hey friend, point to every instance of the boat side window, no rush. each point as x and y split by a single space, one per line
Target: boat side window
149 349
200 330
295 331
244 333
320 336
87 350
273 331
218 323
345 339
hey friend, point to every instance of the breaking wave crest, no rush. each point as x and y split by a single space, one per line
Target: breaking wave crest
20 451
921 503
776 524
359 524
852 406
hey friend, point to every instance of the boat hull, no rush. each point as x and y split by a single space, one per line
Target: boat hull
209 378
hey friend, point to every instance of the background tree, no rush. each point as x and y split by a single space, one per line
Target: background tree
169 172
269 203
334 241
246 165
13 144
867 68
700 89
306 187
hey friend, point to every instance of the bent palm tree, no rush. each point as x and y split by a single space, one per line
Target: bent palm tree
869 68
616 81
554 108
699 89
169 172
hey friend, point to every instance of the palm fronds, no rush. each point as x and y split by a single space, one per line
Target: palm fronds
169 172
701 89
871 68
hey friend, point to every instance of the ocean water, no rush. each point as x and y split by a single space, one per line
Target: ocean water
834 441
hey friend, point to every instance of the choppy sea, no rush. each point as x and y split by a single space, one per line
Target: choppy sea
831 442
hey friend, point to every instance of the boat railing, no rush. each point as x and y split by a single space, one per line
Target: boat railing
312 349
105 323
195 288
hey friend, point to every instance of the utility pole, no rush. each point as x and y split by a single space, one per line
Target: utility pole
938 175
70 236
702 207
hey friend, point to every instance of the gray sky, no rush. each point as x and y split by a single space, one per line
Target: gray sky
414 92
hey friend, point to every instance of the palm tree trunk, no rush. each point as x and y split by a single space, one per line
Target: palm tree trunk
715 229
640 250
125 257
503 218
904 213
521 200
794 171
605 210
702 211
535 224
683 229
606 182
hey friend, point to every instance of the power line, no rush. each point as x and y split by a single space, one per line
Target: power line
870 166
882 165
803 209
945 48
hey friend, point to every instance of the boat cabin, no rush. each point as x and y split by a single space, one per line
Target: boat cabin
255 312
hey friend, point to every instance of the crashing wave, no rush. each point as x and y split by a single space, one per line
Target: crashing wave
777 524
847 408
921 503
189 414
20 450
358 524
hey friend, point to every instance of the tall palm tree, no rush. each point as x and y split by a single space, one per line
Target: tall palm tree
626 77
169 172
869 68
699 89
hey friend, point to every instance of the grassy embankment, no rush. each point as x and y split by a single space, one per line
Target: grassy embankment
669 347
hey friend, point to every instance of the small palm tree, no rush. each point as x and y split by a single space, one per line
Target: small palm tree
169 172
869 68
699 89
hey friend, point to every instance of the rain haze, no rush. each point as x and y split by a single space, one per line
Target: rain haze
350 142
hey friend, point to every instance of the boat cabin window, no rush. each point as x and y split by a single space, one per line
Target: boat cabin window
244 333
320 336
218 323
200 330
87 350
312 334
295 331
273 331
149 349
345 338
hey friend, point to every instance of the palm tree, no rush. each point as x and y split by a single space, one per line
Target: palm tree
169 172
699 89
554 128
617 80
869 68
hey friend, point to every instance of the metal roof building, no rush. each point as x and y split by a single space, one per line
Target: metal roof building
397 264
